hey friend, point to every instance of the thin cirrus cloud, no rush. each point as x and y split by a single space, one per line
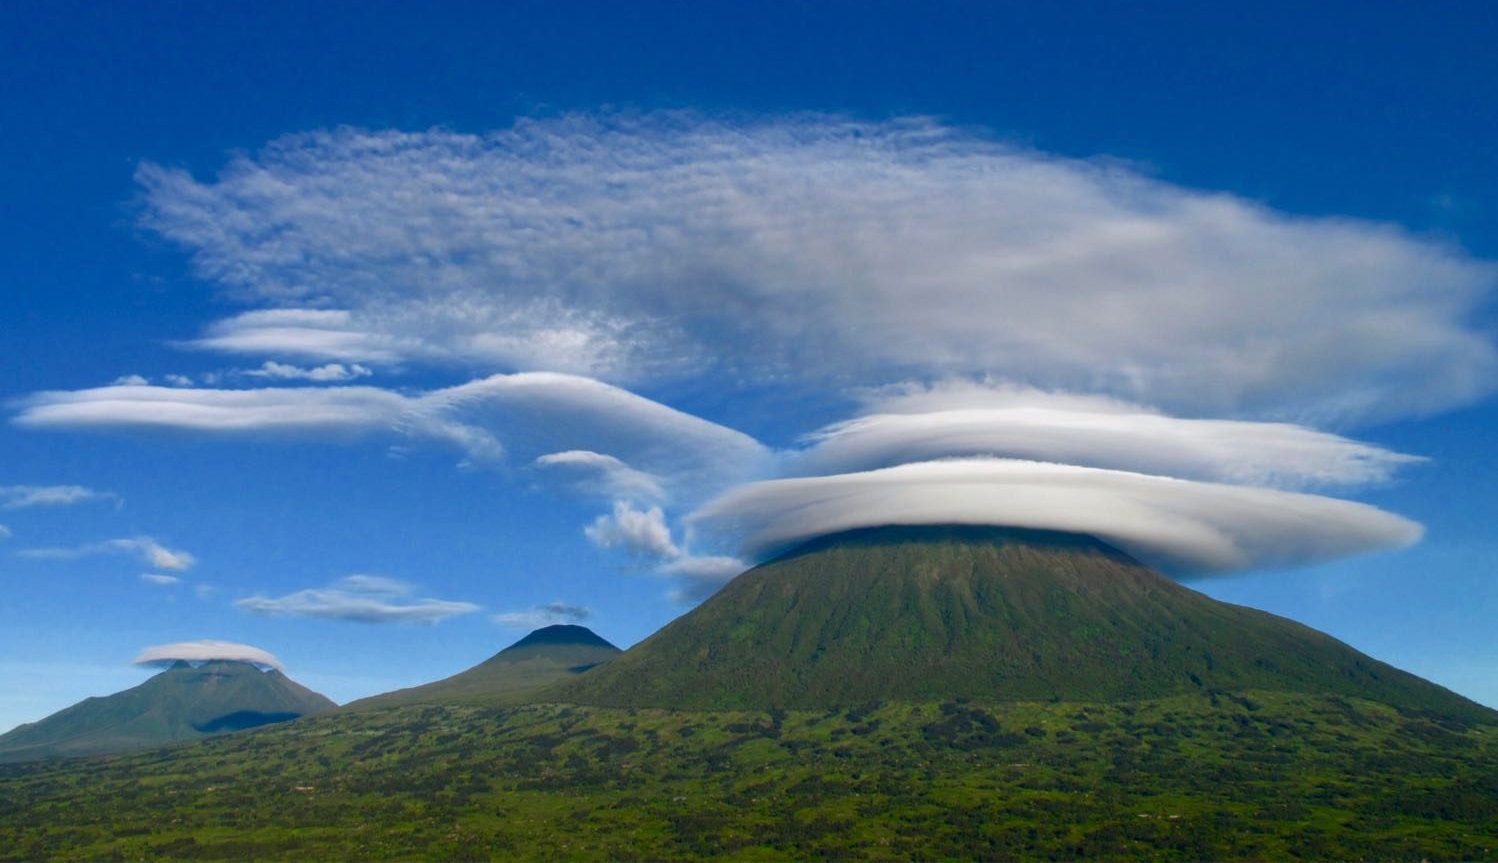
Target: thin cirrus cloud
1186 527
820 250
358 598
28 496
550 614
602 475
206 650
144 548
159 579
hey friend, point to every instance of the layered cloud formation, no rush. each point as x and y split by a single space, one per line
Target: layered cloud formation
206 651
1013 338
818 249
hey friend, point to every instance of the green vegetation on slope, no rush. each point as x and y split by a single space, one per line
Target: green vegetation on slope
1258 775
185 702
546 656
925 613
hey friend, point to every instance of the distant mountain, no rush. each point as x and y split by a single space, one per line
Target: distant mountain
928 613
185 702
546 656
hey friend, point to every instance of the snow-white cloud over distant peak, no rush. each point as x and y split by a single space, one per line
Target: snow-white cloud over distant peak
205 651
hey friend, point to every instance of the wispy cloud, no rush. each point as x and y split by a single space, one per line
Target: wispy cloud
602 475
204 651
5 533
544 615
159 579
145 548
27 496
820 250
359 598
329 373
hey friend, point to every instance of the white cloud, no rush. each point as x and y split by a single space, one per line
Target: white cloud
544 615
206 651
642 533
330 373
131 381
603 475
27 496
531 414
5 533
145 548
159 580
317 409
1185 527
360 598
701 575
1042 427
820 250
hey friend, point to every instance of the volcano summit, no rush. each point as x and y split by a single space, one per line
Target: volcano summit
994 614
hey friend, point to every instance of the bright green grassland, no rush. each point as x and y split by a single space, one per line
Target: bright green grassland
1257 775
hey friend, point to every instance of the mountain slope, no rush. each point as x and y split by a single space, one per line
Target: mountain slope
546 656
184 702
927 613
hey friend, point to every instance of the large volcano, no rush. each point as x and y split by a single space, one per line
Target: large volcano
927 613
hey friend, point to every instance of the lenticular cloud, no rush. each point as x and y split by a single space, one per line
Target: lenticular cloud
205 651
1185 527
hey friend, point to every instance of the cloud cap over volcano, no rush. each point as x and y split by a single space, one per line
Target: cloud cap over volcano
1188 528
206 650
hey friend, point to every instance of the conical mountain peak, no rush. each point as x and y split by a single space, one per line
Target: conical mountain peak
542 658
186 701
923 613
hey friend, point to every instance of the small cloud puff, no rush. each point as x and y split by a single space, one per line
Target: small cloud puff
641 533
359 598
544 615
206 651
329 373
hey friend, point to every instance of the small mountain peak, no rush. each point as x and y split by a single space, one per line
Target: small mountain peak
559 634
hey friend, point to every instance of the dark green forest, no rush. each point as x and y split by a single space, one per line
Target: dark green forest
1219 775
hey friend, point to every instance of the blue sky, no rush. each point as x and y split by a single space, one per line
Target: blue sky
373 336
